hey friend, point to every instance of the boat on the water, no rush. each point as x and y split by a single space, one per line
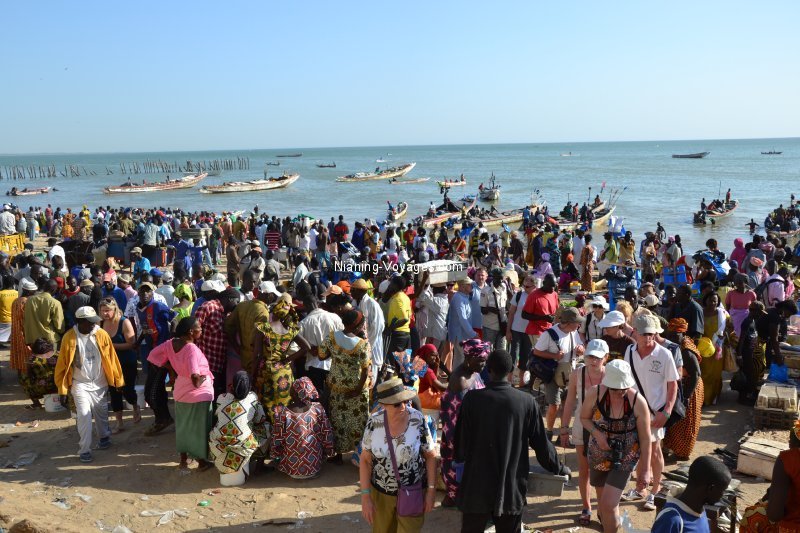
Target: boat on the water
290 155
326 165
444 214
185 182
28 192
389 173
400 211
455 183
724 211
395 181
714 211
273 163
698 155
265 184
490 193
771 152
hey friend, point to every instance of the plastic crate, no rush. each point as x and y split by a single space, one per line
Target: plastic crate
773 396
774 418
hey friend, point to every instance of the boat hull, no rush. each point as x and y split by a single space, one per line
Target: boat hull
404 182
386 174
182 183
43 190
730 208
251 186
489 195
448 184
699 155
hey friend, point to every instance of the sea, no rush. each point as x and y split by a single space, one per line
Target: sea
645 183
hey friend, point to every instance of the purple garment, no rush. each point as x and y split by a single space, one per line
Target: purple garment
451 406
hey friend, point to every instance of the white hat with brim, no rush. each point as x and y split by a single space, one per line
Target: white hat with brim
612 319
393 391
268 287
646 324
87 312
597 348
618 375
599 300
27 284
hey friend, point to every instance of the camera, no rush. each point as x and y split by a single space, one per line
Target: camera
617 451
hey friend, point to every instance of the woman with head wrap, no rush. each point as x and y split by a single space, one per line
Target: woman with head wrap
348 380
37 378
682 436
301 436
193 390
738 300
185 297
242 430
271 346
463 379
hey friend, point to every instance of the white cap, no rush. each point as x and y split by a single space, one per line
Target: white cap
614 318
599 300
27 284
167 277
212 285
597 348
383 286
87 312
650 300
618 375
219 276
268 287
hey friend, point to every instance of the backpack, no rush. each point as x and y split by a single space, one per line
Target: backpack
761 290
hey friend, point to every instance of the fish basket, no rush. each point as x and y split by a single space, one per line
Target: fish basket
765 418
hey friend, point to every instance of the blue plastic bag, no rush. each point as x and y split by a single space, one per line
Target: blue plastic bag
778 373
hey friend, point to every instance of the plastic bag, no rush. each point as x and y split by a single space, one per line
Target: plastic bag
778 373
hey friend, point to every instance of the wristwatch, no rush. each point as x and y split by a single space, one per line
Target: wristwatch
666 413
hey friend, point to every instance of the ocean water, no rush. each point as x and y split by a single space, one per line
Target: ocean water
649 184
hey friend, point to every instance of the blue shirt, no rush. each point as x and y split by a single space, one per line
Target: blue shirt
677 516
142 266
118 295
459 318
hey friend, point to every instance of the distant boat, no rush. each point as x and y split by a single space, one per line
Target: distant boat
185 182
380 160
290 155
393 172
254 185
490 193
273 163
455 183
771 152
326 165
568 154
28 192
395 181
698 155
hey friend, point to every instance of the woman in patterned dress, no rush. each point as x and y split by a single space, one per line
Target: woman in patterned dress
348 381
587 262
271 351
242 430
19 350
302 436
463 379
38 377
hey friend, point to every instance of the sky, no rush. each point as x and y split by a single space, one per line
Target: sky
96 76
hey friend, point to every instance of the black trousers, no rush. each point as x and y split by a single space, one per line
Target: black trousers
220 383
476 522
399 341
129 371
155 391
318 377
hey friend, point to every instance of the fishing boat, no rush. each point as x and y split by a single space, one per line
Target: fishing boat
725 211
326 165
290 155
568 154
273 163
400 211
28 192
395 181
498 218
771 152
380 160
698 155
389 173
455 183
265 184
601 216
491 193
185 182
453 212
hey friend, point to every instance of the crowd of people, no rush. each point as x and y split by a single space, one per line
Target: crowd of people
291 342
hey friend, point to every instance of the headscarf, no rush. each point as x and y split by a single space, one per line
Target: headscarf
678 325
285 313
305 391
476 348
241 384
426 350
184 292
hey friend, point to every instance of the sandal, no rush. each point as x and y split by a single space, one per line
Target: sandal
586 517
34 406
158 427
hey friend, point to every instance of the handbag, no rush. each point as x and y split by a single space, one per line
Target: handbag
542 368
410 499
729 360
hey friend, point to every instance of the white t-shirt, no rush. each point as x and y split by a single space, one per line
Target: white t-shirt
654 372
567 342
87 365
518 323
494 298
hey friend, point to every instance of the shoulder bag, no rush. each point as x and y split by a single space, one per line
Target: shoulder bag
410 499
542 368
678 410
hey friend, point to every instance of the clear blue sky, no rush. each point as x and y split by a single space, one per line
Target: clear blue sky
142 76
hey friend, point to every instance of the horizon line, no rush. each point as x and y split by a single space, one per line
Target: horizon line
393 146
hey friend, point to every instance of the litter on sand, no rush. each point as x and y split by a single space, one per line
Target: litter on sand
84 497
61 503
23 460
166 516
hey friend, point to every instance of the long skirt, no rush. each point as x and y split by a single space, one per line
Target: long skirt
192 426
586 278
38 378
348 418
711 371
755 520
682 436
450 408
272 386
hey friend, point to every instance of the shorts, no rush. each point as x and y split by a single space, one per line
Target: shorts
552 393
657 434
613 478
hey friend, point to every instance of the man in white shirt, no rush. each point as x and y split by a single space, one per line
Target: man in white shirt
578 244
8 222
493 300
375 321
563 344
775 289
656 377
315 328
55 249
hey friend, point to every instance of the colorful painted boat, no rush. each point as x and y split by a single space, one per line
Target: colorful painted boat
389 173
252 186
185 182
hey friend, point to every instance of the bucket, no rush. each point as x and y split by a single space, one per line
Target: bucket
236 478
52 405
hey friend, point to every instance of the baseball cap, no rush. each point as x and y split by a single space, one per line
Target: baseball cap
147 285
108 276
570 315
268 287
647 324
156 273
136 250
650 300
87 312
597 348
612 319
333 289
168 276
27 284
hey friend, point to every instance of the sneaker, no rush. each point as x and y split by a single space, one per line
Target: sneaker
104 443
649 503
86 457
632 495
526 378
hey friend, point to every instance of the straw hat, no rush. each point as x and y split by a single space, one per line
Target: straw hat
392 391
618 375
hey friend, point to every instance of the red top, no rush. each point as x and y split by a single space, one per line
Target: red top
540 303
427 381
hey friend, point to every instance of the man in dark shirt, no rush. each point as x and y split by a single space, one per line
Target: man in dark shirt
771 327
495 427
689 310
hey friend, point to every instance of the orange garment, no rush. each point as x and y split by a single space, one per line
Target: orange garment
19 350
